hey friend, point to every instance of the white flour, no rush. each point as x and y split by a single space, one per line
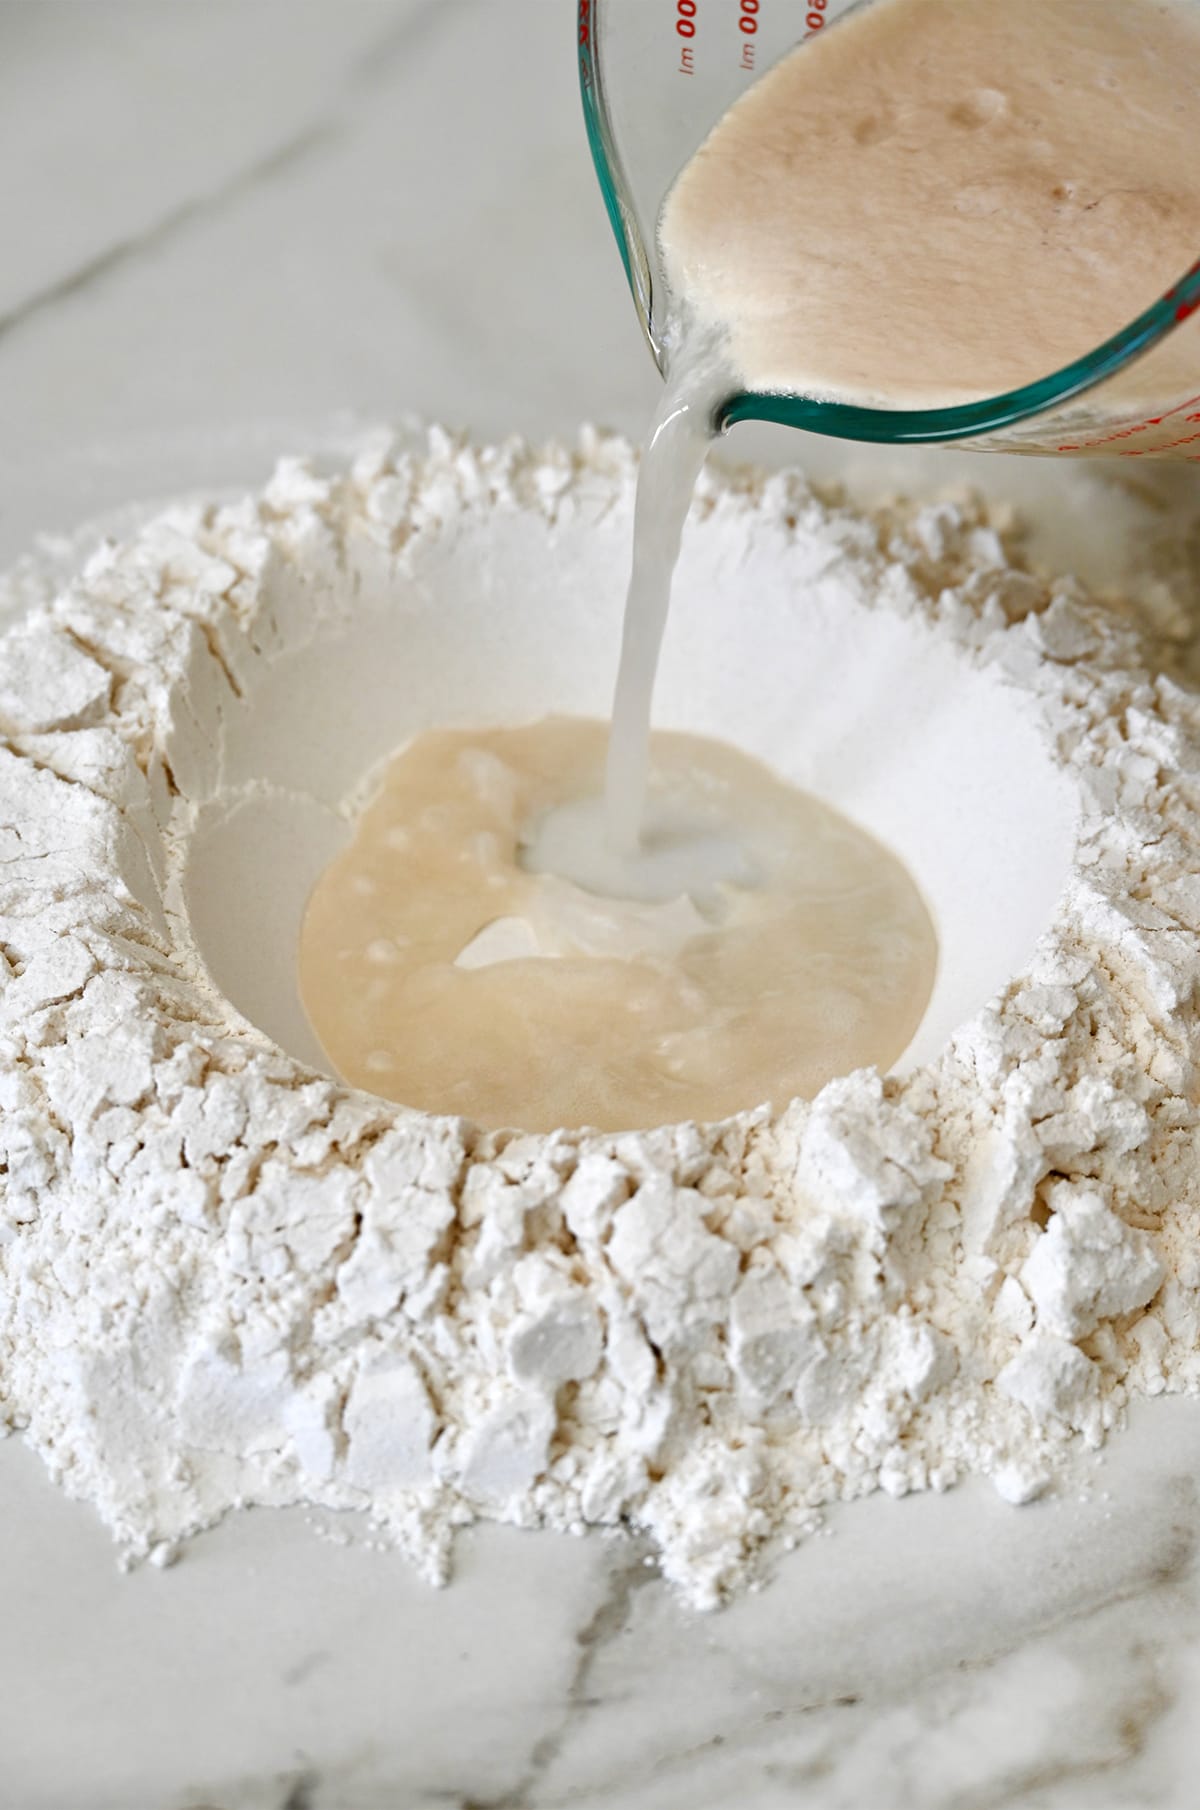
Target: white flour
226 1280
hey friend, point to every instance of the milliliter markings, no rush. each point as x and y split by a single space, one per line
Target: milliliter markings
748 26
685 26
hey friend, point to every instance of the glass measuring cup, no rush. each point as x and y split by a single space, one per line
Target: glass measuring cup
656 75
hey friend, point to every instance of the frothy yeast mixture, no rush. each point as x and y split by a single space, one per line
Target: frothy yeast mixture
441 968
935 201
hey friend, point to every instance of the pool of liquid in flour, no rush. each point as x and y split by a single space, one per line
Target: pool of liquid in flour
443 966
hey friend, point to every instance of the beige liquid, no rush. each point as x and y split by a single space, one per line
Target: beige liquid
936 201
438 970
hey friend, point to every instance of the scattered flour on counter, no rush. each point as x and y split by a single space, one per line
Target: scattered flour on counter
225 1279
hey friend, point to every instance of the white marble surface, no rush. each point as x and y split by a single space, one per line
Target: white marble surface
228 229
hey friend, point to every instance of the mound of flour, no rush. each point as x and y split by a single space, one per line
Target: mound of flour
225 1279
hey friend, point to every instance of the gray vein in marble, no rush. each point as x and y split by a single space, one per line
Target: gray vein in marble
167 227
904 1727
305 1666
629 1575
409 33
300 1795
401 38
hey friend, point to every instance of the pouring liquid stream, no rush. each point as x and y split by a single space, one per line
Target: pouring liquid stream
671 464
626 844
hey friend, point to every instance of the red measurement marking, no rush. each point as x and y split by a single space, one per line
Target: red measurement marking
1185 278
748 26
586 75
814 19
1139 452
685 25
1184 308
1139 427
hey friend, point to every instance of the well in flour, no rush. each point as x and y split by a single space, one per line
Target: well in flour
226 1278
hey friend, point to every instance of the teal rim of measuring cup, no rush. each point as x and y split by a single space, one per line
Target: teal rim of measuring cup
611 177
604 152
844 420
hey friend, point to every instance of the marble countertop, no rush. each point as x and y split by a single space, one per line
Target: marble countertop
238 229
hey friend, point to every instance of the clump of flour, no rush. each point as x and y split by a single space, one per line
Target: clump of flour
225 1279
